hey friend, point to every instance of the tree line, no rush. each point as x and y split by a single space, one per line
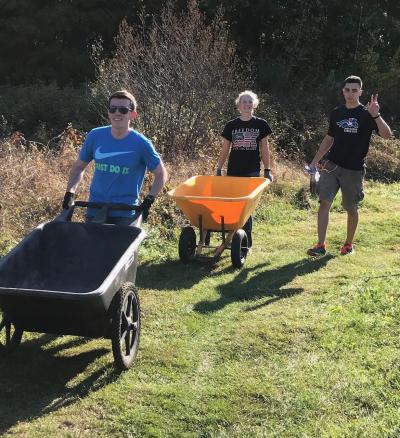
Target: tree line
302 40
290 48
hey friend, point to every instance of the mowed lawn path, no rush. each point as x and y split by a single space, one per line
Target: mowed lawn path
286 347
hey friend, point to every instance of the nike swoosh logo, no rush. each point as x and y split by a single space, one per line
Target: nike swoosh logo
98 155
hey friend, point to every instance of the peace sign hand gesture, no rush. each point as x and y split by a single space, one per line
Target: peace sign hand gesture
373 106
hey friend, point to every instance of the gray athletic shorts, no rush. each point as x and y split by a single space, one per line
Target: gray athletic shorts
350 182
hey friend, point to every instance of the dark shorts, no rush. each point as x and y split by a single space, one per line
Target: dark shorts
350 182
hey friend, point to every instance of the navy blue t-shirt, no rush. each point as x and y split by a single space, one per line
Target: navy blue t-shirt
351 130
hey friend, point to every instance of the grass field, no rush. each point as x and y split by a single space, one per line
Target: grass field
286 347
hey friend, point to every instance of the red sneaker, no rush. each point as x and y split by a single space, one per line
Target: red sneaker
347 248
318 250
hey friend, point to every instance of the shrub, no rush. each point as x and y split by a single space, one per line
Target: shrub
184 73
383 160
41 110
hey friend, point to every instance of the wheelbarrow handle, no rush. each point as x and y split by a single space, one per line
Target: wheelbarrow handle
107 205
66 215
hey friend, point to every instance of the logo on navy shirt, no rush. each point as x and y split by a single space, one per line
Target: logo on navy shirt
349 125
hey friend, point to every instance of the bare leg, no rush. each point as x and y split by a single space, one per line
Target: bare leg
352 222
323 220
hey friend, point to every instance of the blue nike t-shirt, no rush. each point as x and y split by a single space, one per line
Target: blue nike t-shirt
120 166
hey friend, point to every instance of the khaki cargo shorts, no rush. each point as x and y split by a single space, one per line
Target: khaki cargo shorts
350 182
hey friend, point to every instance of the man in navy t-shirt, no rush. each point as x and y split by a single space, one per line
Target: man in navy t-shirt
346 145
121 157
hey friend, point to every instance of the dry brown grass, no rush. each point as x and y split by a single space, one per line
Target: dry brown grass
383 163
33 180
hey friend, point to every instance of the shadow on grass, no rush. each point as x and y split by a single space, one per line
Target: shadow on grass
35 380
174 275
268 283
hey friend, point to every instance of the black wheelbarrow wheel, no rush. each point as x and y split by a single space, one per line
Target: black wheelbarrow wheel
125 326
239 248
187 244
10 335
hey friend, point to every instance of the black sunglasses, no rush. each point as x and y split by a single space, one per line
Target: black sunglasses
121 109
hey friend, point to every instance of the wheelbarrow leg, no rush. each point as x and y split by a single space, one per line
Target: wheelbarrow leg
200 246
225 241
12 335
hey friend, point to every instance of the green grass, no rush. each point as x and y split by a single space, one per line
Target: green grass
286 347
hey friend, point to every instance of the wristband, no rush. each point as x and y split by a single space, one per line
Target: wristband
268 170
376 116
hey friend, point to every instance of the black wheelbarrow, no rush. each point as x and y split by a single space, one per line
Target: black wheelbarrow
74 278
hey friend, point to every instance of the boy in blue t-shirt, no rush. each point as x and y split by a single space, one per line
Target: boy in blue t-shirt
121 157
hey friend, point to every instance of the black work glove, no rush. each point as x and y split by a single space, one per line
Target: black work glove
268 174
219 172
144 207
68 200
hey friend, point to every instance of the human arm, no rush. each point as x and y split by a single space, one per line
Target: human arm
265 158
265 152
160 178
75 177
324 147
226 145
373 108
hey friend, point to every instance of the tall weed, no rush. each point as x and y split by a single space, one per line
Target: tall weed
184 73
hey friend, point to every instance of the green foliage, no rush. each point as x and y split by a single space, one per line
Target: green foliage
295 43
302 50
42 110
48 41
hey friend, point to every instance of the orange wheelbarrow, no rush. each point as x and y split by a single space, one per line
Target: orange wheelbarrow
220 204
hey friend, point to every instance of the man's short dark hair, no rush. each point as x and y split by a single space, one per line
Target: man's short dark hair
353 80
124 94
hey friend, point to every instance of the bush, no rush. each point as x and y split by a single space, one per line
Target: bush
383 160
297 129
41 110
184 74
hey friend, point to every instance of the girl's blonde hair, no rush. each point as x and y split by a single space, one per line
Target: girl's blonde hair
249 93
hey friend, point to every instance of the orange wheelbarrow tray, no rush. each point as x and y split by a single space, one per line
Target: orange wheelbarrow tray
217 204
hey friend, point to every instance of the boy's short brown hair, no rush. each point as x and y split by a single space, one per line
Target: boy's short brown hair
353 80
124 94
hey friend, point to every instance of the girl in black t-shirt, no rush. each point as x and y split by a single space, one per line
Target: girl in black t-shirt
245 140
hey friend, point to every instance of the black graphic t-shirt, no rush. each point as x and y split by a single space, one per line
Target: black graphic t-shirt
245 138
351 130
